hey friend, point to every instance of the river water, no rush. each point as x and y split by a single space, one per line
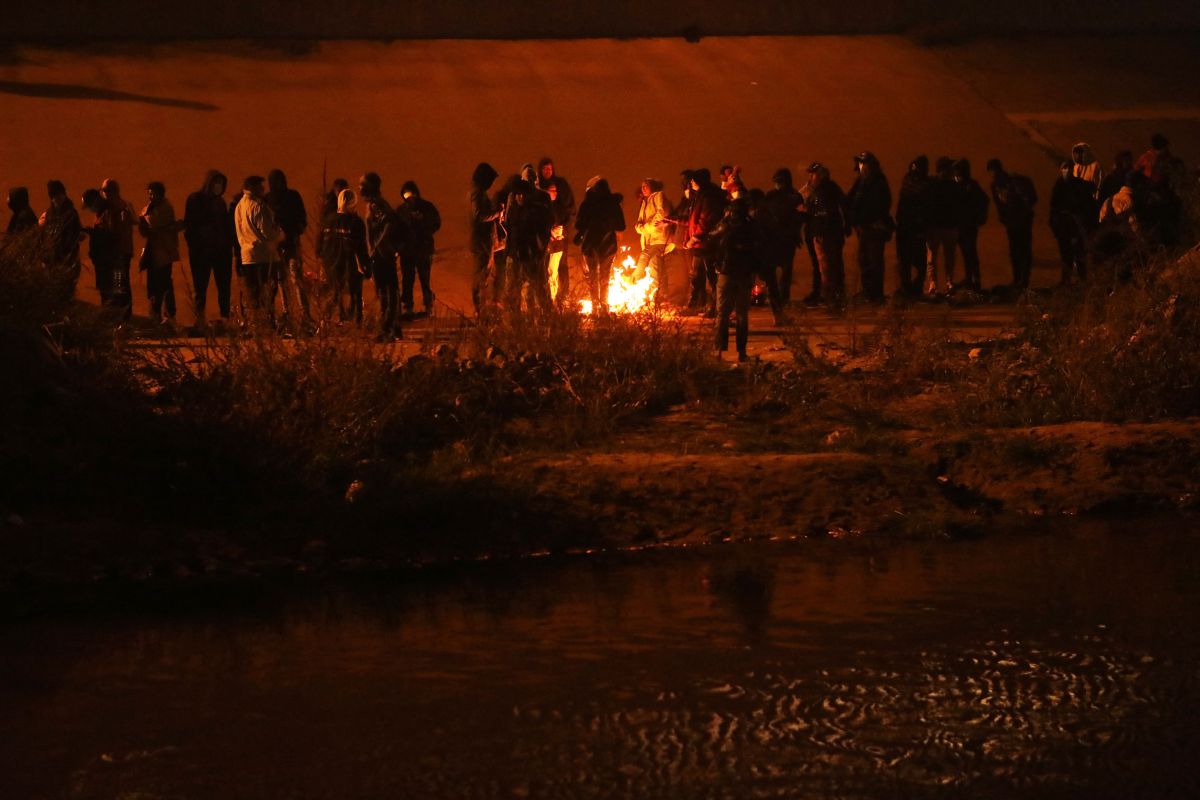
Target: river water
1057 664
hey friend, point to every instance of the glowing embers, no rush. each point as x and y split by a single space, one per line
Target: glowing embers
627 293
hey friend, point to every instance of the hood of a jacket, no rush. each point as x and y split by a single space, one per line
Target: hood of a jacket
1084 150
783 176
484 175
211 177
18 198
276 181
919 165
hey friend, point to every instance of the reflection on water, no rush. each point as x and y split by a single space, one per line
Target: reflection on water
1057 665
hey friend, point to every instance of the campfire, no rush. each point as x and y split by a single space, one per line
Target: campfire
626 292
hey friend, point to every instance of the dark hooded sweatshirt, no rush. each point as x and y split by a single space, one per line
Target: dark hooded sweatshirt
600 218
206 221
23 217
782 204
420 219
63 228
288 207
912 209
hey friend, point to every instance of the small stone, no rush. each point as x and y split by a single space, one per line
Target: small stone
975 352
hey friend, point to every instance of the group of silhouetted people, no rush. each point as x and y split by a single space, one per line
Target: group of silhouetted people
735 242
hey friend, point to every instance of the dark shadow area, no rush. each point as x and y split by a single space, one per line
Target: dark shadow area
71 91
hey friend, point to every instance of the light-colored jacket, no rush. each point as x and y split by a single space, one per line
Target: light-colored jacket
158 226
257 232
653 209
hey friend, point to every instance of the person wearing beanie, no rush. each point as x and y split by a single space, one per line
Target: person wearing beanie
342 245
420 220
288 278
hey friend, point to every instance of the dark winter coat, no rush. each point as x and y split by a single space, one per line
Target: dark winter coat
385 234
705 212
342 243
870 201
946 199
783 204
288 207
208 227
528 226
23 216
738 244
103 247
1015 197
421 220
975 204
912 209
826 210
600 218
1072 204
63 228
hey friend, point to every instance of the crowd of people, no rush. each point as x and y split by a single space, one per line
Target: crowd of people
734 241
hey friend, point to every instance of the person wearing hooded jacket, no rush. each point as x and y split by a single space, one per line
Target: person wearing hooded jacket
158 226
655 235
209 237
484 216
23 216
1085 166
60 223
1072 215
597 227
973 216
420 220
342 245
783 202
912 220
528 220
288 277
868 214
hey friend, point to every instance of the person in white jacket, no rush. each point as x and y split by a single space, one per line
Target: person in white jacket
258 238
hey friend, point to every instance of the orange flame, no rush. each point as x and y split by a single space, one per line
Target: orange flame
627 293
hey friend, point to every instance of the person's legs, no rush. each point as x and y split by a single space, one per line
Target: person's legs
104 280
154 293
202 269
833 270
697 299
169 290
501 270
741 305
810 244
785 260
605 264
387 286
968 240
354 286
122 292
480 259
424 271
223 278
408 275
774 296
710 270
726 296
